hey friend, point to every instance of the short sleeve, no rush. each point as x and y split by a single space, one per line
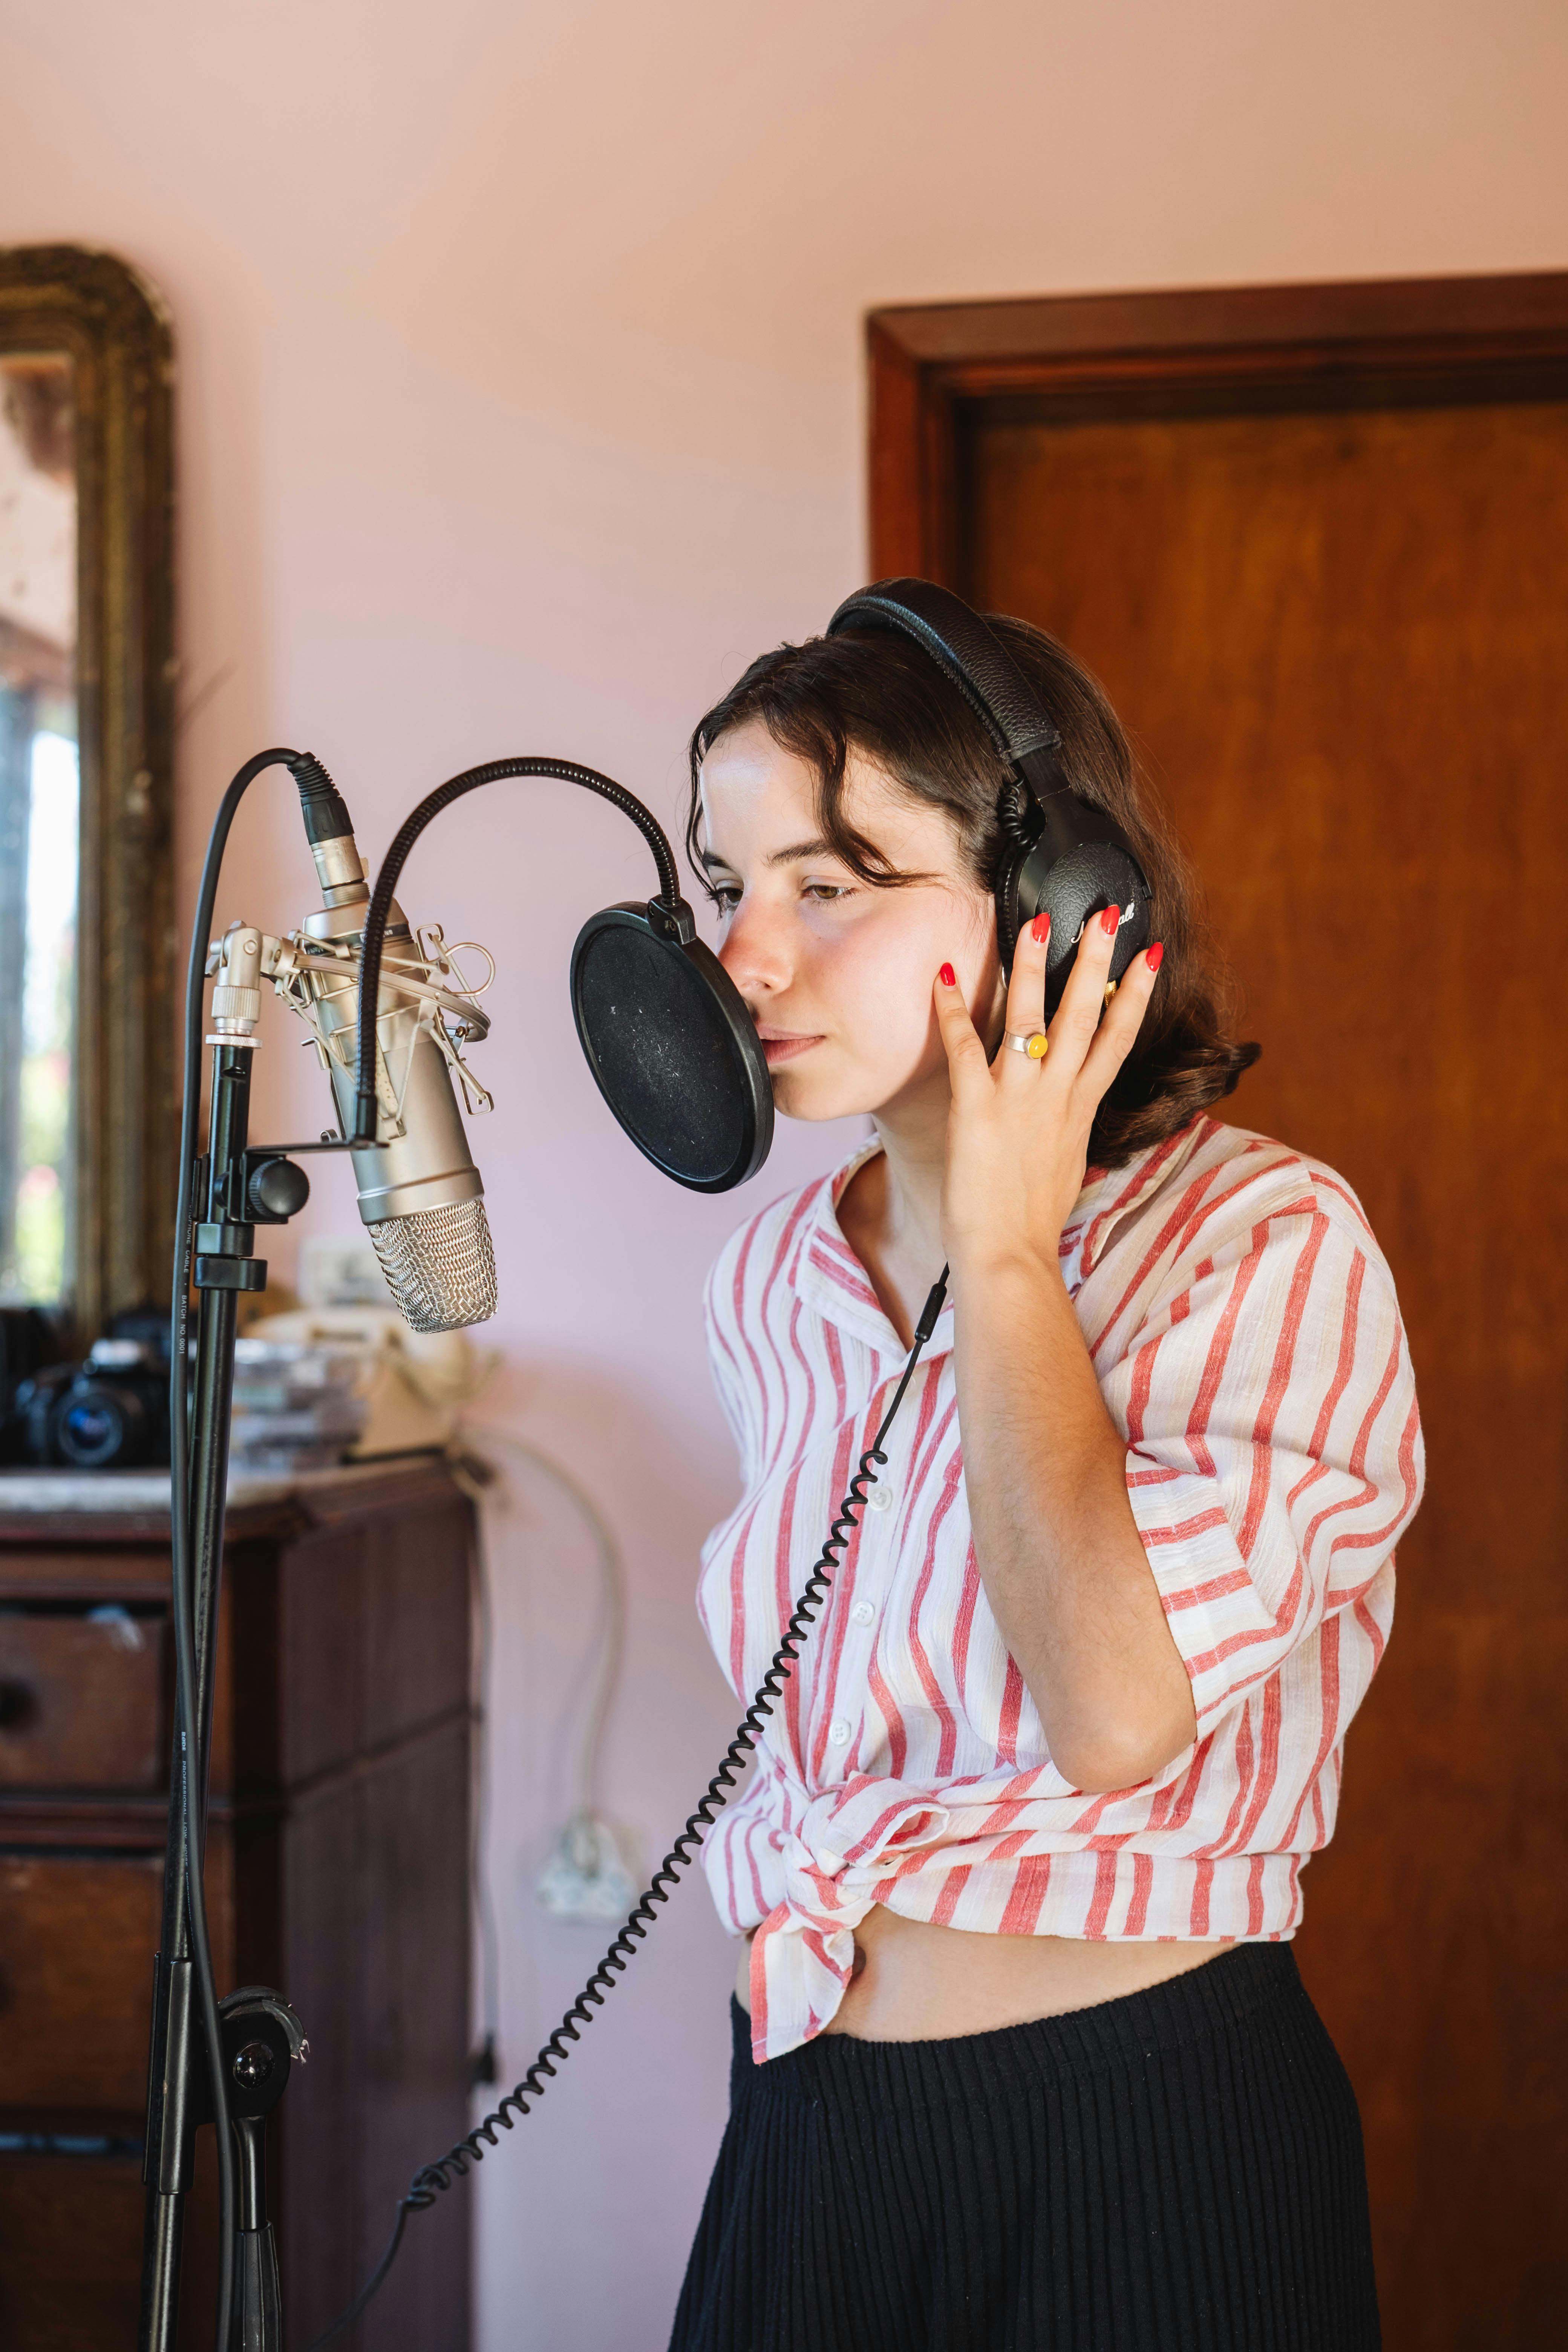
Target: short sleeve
1274 1448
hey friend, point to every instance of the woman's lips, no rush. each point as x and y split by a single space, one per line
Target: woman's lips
780 1048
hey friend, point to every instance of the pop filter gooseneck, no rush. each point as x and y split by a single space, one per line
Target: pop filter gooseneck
670 1042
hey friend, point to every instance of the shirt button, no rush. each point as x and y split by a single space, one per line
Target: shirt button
862 1613
838 1731
880 1499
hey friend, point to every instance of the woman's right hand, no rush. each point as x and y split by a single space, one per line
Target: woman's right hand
1018 1129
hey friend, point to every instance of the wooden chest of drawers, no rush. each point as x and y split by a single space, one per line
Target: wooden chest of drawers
338 1870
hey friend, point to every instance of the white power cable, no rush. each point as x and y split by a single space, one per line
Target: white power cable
585 1878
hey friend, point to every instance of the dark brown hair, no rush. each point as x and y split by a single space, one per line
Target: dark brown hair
875 693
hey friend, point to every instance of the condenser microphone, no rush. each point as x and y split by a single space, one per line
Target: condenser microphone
420 1195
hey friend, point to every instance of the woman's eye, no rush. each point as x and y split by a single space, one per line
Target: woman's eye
725 896
823 892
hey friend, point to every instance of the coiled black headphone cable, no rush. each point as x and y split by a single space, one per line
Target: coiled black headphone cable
432 2179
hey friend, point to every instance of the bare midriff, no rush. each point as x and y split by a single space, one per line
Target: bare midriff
916 1982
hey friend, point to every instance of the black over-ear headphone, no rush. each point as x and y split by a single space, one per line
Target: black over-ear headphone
1063 856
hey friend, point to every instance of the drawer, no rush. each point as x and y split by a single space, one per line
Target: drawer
82 1699
70 2252
53 1572
77 1938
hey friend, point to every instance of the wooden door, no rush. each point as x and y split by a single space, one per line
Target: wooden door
1313 542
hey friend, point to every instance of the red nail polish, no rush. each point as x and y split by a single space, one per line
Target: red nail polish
947 976
1040 930
1152 955
1111 920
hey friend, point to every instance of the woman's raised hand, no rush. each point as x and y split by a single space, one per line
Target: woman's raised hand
1017 1133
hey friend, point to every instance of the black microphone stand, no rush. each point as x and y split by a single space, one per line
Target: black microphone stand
235 1190
223 2062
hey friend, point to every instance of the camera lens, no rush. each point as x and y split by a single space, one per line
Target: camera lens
112 1412
91 1430
102 1421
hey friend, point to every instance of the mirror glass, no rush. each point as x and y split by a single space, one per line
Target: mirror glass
38 825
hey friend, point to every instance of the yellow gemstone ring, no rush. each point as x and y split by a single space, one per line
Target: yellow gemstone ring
1032 1042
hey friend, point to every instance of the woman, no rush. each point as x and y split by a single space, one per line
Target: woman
1022 2057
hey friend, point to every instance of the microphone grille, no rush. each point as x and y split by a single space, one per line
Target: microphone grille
440 1265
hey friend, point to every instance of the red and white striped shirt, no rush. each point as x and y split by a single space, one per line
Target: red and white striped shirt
1244 1328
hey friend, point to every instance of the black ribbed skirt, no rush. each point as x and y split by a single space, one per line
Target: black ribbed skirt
1177 2171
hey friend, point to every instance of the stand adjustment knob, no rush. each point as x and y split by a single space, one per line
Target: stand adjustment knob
253 2064
276 1189
262 2037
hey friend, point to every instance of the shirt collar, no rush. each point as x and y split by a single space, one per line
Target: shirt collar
830 1278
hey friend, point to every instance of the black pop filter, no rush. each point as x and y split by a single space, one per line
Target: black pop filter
672 1048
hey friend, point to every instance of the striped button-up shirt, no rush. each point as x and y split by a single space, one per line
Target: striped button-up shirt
1243 1325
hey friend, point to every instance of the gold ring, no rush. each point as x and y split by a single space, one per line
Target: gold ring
1032 1042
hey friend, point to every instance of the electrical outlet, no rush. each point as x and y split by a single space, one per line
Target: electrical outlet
585 1876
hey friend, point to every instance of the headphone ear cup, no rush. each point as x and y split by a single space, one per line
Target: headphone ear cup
1010 919
1089 877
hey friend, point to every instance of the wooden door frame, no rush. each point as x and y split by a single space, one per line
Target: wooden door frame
1372 343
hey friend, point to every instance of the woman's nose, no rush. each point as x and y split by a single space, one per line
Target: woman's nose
755 951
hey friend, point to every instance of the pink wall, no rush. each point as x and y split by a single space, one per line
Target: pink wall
520 403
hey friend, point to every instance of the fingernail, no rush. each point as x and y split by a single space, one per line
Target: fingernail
947 976
1111 920
1151 955
1040 930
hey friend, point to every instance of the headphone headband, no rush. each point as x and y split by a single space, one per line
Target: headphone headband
1063 856
976 661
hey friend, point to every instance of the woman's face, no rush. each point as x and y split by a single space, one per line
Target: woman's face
838 975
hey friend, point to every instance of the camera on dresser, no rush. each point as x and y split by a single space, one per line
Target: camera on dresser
110 1411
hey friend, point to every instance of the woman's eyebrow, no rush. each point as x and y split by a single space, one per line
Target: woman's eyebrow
802 849
779 856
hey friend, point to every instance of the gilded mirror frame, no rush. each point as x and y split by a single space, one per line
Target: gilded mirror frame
113 324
